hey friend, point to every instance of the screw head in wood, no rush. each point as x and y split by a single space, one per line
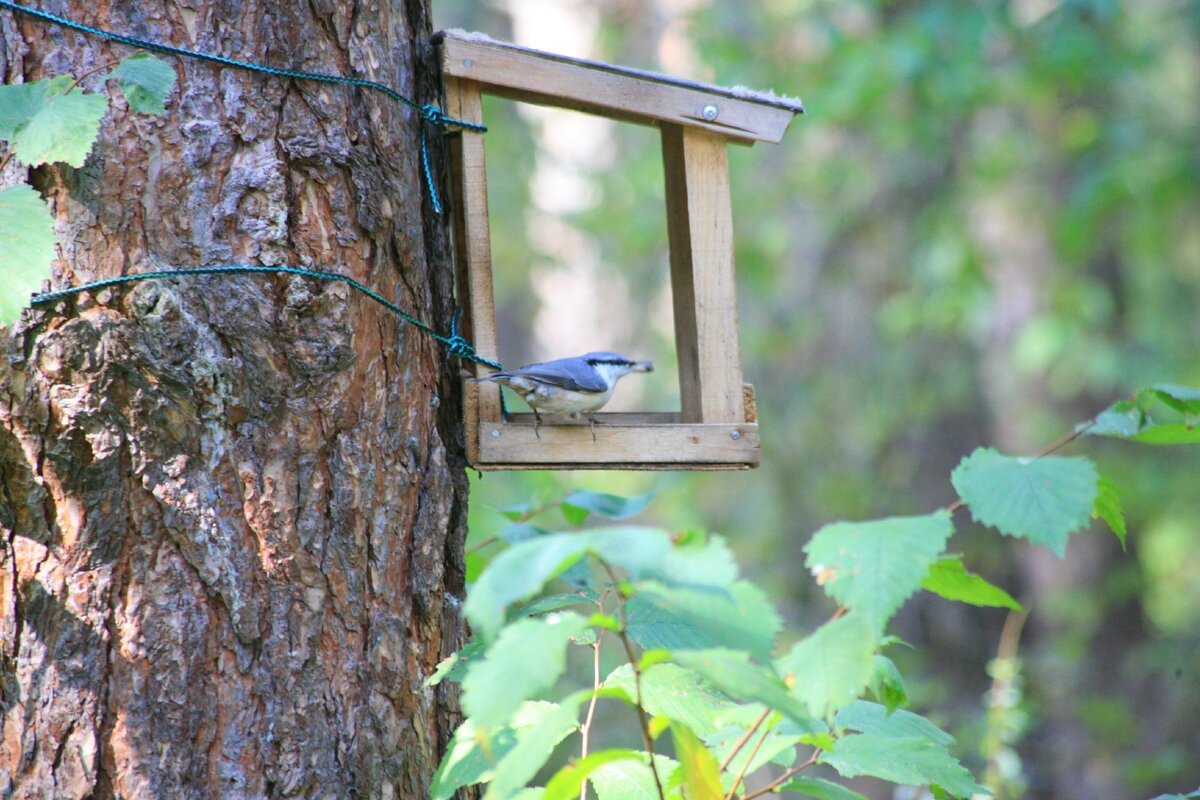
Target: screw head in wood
735 434
710 112
495 434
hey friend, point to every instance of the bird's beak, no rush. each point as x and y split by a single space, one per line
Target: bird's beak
643 366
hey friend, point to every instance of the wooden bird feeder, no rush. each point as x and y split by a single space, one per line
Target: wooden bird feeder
716 426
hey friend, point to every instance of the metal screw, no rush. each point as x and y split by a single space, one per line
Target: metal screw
495 434
710 112
735 434
468 63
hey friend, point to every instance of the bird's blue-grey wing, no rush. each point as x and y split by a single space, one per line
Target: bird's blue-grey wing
566 373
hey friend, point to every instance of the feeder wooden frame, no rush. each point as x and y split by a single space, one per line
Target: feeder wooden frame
716 426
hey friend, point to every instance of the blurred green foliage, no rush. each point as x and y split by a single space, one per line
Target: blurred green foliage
984 230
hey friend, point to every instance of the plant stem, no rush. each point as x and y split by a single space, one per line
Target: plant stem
744 738
644 722
591 712
741 774
89 74
783 778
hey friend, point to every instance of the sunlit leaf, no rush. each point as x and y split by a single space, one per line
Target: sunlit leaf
831 666
701 773
631 780
913 761
26 247
687 618
948 578
63 129
455 666
873 567
568 781
534 745
527 657
820 789
1041 499
671 691
867 717
736 675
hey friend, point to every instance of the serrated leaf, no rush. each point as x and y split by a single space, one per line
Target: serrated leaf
145 81
1168 433
948 578
832 666
778 745
549 603
671 691
820 789
873 567
578 505
701 773
887 684
867 717
912 761
1121 419
471 757
631 780
1042 499
1108 507
63 129
18 103
685 618
535 743
527 657
455 666
26 247
568 781
733 673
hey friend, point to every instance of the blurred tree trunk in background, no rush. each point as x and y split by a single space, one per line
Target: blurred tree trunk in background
232 508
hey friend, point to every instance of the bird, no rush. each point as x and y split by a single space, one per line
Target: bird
571 386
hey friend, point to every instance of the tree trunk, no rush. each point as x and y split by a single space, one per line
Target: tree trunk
232 508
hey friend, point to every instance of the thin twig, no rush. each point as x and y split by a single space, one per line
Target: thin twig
744 738
789 773
528 515
742 774
90 73
591 712
637 679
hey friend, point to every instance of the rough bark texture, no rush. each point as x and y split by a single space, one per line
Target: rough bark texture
232 508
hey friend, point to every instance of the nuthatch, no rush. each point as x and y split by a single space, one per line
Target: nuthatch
571 386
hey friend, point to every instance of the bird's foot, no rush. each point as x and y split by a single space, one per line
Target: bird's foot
537 423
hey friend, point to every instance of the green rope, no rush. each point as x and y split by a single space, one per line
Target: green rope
455 343
428 113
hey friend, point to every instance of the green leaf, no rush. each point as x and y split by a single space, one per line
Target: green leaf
517 573
777 746
18 103
527 657
549 603
455 667
832 666
63 129
686 618
1108 508
1043 499
912 761
701 773
535 743
145 81
26 247
869 717
733 673
887 684
671 691
568 781
1183 399
948 578
521 531
1121 419
578 505
820 789
1168 433
631 780
471 757
873 567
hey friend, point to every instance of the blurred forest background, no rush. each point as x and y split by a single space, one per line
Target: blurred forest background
985 230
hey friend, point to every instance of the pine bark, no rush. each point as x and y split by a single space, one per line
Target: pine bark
232 508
